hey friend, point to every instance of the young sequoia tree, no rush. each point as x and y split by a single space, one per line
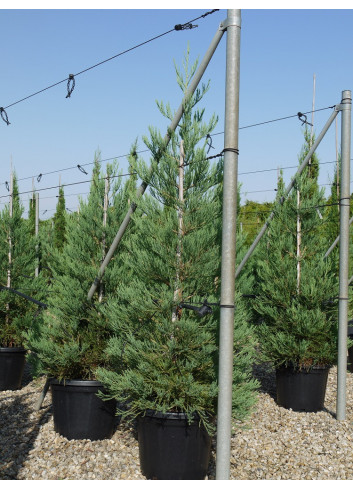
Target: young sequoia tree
164 349
71 341
297 287
17 267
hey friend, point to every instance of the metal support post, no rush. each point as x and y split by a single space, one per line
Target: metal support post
178 115
230 183
346 105
288 189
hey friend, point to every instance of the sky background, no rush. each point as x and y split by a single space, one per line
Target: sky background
115 103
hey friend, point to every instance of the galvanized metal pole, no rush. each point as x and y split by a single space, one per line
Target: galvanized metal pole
36 231
346 105
230 183
288 189
178 115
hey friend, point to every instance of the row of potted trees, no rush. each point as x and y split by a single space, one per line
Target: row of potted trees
145 347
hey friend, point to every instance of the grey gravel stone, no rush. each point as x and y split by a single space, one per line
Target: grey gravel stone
275 443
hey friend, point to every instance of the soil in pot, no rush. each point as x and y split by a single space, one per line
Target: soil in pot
12 363
79 413
171 448
301 390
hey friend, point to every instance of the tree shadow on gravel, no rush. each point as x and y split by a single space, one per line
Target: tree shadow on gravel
27 375
19 427
266 375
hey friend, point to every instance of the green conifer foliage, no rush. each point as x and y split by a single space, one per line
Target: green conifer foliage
17 313
297 288
71 341
59 237
165 356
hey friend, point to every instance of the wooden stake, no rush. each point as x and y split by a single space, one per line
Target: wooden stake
36 272
299 242
177 291
337 171
105 212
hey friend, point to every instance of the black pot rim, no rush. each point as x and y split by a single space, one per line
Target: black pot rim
76 382
151 413
295 368
12 349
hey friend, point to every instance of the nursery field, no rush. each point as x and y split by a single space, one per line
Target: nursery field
276 443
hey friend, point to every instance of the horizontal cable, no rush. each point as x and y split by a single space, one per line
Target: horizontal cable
175 28
210 157
276 120
69 184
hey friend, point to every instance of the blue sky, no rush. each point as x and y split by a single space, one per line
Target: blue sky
114 103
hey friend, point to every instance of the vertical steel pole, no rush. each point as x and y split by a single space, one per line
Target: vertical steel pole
36 272
346 105
230 183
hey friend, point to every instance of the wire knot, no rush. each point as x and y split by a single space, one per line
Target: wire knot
4 115
209 13
303 119
209 143
70 85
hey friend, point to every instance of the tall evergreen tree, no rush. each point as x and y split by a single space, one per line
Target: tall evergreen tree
71 341
17 265
59 237
296 286
164 355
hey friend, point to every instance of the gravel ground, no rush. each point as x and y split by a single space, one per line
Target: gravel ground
276 443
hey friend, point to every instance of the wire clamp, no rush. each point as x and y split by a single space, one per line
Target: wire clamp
233 150
303 119
70 85
4 115
39 177
82 169
7 186
183 27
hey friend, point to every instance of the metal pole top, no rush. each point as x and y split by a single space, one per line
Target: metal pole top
346 97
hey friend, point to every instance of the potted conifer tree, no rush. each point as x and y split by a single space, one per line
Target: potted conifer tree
297 296
17 266
163 351
70 344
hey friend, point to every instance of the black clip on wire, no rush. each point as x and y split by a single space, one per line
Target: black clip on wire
303 119
7 186
201 311
39 177
182 27
82 169
4 115
70 89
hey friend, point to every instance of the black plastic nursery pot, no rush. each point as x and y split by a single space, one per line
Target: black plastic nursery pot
12 363
171 448
301 390
79 413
